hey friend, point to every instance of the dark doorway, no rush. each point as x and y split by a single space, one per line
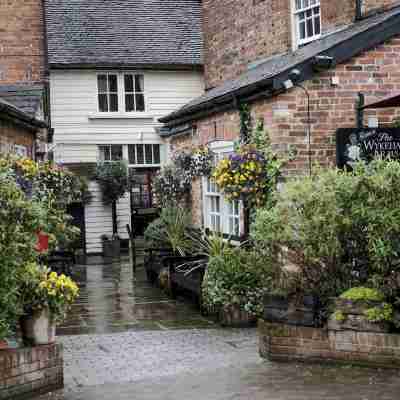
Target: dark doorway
143 209
77 211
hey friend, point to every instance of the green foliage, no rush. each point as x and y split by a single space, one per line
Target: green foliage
19 222
172 230
339 316
237 277
380 314
41 289
113 180
339 229
362 294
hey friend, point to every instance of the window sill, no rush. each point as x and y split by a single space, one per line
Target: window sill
106 115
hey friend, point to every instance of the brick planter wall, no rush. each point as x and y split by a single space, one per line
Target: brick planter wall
30 371
295 343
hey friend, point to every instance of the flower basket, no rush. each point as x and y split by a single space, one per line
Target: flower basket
42 242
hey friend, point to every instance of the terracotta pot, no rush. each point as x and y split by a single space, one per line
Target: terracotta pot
3 345
234 316
38 328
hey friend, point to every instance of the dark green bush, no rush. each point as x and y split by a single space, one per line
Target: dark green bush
337 230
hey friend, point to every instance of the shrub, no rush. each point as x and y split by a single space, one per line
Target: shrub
362 294
19 223
172 230
338 230
237 277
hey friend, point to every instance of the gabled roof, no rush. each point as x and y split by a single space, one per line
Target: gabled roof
124 33
27 98
387 102
266 78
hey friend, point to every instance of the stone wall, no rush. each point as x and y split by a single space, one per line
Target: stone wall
12 134
30 371
22 56
280 342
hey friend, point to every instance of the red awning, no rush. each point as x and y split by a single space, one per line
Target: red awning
392 101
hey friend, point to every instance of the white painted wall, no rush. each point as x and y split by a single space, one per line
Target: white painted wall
79 129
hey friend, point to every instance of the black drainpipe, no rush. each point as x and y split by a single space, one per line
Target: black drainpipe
360 110
359 14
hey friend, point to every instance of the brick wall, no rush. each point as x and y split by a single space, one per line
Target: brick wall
240 32
30 371
12 134
376 73
237 32
22 42
370 6
295 343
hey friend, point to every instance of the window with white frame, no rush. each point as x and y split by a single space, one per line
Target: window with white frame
144 154
307 16
111 152
107 88
134 92
220 214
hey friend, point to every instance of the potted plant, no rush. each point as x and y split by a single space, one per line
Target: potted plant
361 309
113 180
111 246
46 297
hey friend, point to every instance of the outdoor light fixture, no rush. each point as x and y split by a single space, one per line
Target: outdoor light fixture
294 77
321 63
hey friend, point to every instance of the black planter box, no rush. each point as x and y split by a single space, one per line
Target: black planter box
300 312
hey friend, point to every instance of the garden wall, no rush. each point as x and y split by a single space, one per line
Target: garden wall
280 342
30 371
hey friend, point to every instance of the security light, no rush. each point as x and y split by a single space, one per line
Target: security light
288 84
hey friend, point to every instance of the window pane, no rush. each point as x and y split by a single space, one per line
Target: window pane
139 102
131 154
302 16
102 83
139 83
298 4
129 102
149 153
128 83
302 30
113 102
310 29
156 151
103 103
112 83
309 13
104 153
317 24
139 154
116 152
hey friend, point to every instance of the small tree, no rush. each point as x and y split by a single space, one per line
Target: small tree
113 181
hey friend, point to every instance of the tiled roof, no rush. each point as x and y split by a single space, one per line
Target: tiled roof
273 67
25 98
97 33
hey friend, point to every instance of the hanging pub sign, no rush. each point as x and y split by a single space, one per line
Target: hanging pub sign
365 144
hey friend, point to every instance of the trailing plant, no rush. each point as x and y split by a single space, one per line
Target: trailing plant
337 230
169 187
252 172
173 183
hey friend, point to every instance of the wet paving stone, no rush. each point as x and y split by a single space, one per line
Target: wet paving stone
114 299
125 339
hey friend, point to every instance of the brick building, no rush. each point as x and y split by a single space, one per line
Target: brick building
23 78
336 49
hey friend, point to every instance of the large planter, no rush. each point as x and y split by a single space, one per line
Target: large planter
38 328
300 312
111 249
235 317
350 315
